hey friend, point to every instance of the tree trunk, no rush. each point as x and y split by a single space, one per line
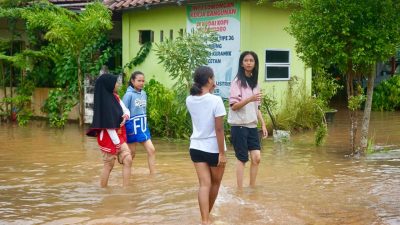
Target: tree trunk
80 88
367 112
11 91
353 116
3 76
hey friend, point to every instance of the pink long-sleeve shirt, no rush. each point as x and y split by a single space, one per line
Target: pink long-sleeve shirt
247 115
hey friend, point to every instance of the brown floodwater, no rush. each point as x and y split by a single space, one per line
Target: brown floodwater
51 176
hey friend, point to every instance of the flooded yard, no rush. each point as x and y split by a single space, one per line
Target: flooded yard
51 176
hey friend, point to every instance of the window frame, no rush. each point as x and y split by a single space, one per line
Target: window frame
141 35
279 64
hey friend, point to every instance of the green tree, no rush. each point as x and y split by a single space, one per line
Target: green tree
71 36
353 35
15 60
180 57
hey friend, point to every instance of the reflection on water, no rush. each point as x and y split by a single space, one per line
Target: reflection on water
50 176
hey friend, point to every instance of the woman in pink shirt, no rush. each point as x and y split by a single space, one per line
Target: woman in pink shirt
244 115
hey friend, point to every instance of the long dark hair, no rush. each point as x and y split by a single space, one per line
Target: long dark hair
253 80
133 77
200 78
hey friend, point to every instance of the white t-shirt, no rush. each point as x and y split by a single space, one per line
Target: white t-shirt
203 110
111 132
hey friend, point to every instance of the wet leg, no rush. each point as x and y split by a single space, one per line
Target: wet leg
151 155
204 176
216 177
239 173
132 147
255 162
127 164
107 168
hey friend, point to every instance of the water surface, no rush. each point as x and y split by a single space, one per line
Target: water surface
51 176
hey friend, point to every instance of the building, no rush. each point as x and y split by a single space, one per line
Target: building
242 25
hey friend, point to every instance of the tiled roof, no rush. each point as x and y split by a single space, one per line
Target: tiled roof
69 1
71 4
129 4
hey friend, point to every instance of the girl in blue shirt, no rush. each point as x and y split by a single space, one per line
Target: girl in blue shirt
137 129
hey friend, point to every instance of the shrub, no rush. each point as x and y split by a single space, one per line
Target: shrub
167 115
387 95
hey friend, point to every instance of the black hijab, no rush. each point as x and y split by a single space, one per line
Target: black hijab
107 112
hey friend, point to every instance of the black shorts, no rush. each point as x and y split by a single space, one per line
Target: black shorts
200 156
244 139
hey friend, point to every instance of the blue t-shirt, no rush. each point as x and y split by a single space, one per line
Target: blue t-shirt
136 128
135 101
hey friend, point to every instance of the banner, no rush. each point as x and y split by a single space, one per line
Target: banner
224 18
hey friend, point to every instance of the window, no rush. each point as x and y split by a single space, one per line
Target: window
146 36
181 32
277 64
171 34
161 36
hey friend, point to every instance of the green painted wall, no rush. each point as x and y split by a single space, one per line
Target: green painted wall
155 19
262 27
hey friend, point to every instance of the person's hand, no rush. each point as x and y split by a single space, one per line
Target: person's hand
124 118
265 131
256 97
221 160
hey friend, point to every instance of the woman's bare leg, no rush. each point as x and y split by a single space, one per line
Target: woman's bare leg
151 155
255 161
127 164
204 175
239 173
107 168
132 147
216 177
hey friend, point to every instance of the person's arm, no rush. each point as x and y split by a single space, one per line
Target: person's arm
126 99
114 137
263 127
126 112
236 100
241 104
219 131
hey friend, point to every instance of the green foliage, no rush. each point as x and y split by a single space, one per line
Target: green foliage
22 102
370 146
387 95
269 106
166 116
350 34
58 105
300 111
320 134
324 87
73 39
355 102
180 57
62 46
140 56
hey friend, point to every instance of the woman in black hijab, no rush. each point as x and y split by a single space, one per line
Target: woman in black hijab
109 116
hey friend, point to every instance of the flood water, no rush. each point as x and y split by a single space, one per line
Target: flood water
51 176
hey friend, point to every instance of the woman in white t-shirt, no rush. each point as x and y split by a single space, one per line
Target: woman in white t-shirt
207 143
